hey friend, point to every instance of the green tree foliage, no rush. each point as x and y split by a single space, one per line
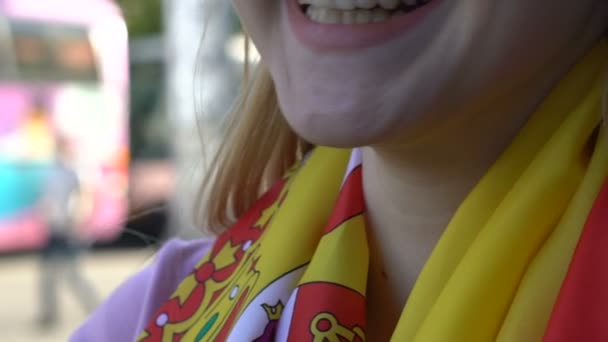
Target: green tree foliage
144 17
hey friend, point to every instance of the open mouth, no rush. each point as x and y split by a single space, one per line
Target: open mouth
354 24
348 12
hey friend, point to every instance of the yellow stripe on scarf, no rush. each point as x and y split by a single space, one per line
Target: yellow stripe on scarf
466 288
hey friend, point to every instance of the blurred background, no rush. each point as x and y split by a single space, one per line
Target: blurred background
107 109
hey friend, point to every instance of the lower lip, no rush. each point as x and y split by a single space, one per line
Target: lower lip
343 36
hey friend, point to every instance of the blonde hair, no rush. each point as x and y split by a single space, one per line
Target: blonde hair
259 147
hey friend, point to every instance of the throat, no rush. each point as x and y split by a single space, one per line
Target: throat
405 220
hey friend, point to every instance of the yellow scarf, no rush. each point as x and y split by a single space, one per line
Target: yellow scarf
295 266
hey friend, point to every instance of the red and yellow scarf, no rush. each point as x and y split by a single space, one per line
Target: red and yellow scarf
523 259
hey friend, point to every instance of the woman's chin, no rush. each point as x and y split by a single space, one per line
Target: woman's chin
342 131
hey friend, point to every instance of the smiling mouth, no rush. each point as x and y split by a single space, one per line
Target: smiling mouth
348 12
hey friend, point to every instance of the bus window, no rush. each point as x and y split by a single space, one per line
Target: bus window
73 54
7 69
53 52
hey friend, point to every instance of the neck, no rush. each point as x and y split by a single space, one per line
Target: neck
413 188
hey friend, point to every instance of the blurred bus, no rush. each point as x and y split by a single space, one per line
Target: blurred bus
63 73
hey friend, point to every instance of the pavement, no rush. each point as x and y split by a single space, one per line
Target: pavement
19 299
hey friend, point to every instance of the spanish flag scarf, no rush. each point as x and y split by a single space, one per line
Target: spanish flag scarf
523 259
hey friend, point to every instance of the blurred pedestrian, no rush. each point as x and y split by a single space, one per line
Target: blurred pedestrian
37 133
62 206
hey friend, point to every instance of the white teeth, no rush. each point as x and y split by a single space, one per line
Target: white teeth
334 16
329 16
366 4
363 17
389 4
344 4
349 17
357 11
361 4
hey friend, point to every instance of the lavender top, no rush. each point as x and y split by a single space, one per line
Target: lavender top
125 314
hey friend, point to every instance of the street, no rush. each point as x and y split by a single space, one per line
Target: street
19 298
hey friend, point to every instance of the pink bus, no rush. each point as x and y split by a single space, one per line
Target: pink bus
63 72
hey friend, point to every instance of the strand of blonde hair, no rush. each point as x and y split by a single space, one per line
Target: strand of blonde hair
258 148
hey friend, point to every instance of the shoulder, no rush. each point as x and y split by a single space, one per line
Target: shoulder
124 315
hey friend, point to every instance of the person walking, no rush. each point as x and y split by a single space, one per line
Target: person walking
62 205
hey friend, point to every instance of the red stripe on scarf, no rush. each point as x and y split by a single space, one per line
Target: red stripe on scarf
581 310
350 202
